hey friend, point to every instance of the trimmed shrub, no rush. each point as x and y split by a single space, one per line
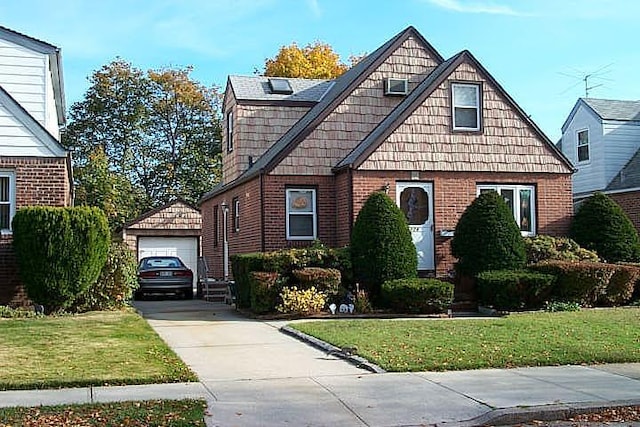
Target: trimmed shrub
543 248
621 285
301 302
487 237
60 251
17 313
116 284
601 225
381 245
415 295
325 280
242 266
265 288
514 289
581 282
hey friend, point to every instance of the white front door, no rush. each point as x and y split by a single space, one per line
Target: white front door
415 199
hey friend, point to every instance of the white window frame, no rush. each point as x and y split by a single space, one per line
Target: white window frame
578 145
236 214
454 105
230 131
314 213
12 197
516 202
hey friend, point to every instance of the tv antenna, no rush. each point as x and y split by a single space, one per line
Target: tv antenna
587 79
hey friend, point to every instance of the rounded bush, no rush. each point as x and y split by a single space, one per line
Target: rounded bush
381 245
542 248
60 252
424 296
601 225
487 237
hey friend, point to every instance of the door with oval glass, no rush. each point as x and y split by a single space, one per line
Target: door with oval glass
415 199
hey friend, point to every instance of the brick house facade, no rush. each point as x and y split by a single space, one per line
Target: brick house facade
34 168
432 133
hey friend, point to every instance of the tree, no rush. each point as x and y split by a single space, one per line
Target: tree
159 130
487 237
601 225
314 61
381 245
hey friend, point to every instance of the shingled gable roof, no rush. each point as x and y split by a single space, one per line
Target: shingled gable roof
341 88
152 212
418 96
255 90
607 109
55 62
628 177
34 126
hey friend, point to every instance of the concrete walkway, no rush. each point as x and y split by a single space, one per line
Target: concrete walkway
254 375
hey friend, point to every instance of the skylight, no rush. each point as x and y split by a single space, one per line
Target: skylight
280 86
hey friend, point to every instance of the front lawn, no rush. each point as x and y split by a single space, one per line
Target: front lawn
148 413
531 339
98 348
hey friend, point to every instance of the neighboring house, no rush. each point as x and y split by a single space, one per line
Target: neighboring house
34 168
300 157
170 230
602 138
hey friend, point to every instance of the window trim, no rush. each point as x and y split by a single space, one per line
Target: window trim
313 213
516 202
479 91
12 197
230 131
216 225
578 145
236 214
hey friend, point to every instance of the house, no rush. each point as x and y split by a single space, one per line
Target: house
301 156
34 168
602 138
170 230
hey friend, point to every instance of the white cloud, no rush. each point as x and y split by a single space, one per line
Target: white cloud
315 8
476 7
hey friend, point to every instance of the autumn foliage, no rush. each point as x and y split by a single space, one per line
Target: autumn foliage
314 61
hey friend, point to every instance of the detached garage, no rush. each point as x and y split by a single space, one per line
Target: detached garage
170 230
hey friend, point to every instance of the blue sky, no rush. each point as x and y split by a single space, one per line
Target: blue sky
539 50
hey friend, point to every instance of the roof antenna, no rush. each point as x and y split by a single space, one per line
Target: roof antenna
587 78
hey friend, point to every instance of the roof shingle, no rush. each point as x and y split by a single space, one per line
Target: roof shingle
610 109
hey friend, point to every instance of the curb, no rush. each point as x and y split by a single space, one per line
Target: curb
519 415
358 361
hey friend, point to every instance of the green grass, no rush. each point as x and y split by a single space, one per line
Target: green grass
532 339
98 348
147 413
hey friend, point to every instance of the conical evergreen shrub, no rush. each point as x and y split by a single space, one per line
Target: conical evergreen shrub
381 245
601 225
487 237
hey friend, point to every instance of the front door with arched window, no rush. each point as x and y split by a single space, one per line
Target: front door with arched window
415 199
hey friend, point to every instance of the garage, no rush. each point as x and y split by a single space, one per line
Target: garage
185 248
170 230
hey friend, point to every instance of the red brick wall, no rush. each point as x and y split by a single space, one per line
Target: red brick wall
247 239
630 203
343 198
39 181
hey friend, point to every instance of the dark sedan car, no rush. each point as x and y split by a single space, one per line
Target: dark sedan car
164 274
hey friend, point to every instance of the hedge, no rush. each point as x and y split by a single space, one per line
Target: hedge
416 295
543 248
325 280
514 289
265 290
60 251
242 265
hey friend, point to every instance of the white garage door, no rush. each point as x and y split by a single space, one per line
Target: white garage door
185 248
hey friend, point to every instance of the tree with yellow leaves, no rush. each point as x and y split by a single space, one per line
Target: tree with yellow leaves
314 61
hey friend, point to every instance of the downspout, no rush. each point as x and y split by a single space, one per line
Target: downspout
262 234
70 176
350 201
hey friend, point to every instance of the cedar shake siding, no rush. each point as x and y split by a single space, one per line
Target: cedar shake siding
358 114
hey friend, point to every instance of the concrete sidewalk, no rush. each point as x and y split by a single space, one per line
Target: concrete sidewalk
253 375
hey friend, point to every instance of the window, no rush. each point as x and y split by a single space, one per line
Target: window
583 145
521 201
230 131
215 226
466 106
236 214
280 86
301 214
7 199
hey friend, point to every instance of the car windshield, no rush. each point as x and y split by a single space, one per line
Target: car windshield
161 263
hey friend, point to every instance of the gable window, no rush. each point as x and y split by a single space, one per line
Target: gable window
466 106
236 214
583 145
230 131
301 214
215 226
7 199
521 201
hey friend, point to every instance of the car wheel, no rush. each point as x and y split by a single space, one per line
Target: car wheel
137 295
188 294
